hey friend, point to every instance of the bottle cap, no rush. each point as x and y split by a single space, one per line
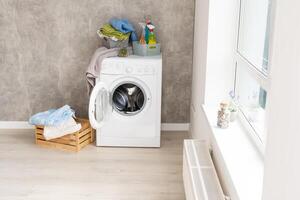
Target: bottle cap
150 26
148 20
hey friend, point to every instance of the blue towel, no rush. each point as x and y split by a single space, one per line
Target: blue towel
52 117
124 26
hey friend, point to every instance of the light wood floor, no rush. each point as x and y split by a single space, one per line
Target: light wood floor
31 172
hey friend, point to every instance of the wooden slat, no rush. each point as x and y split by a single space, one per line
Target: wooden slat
39 131
36 136
58 140
84 138
40 127
55 142
62 141
85 143
77 141
56 145
92 135
40 137
84 132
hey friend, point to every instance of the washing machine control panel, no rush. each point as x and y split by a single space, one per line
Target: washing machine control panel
121 68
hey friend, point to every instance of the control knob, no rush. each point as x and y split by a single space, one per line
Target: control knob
129 70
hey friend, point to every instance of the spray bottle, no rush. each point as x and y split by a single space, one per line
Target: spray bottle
147 31
152 38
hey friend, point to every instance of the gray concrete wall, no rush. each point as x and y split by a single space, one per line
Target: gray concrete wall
46 45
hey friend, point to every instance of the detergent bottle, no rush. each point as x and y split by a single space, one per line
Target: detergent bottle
152 38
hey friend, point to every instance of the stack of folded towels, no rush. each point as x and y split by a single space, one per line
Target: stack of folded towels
56 122
118 30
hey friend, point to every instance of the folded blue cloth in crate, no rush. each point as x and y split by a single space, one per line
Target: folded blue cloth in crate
124 26
52 117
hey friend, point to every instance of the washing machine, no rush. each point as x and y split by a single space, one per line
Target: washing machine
125 104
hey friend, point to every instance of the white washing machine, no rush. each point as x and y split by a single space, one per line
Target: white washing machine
125 104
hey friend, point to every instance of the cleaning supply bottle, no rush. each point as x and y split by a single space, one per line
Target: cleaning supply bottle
147 31
152 38
142 38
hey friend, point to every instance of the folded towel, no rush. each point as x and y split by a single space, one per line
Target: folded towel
68 127
94 67
52 117
124 26
108 31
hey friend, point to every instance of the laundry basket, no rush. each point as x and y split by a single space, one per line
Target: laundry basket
109 43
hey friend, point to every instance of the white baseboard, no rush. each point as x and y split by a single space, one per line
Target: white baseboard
15 125
26 125
175 126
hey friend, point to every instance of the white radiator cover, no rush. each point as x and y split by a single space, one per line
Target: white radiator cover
199 175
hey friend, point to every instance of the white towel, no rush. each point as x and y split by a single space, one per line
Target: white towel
68 127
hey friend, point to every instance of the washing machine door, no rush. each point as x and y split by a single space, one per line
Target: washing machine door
99 105
128 98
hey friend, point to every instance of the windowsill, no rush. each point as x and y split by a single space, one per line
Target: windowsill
240 159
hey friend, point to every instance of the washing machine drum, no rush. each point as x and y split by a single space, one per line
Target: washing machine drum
128 98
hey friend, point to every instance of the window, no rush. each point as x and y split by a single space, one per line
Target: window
251 84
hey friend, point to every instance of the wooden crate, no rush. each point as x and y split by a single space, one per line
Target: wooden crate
71 142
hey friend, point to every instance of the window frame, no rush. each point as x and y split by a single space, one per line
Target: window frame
262 78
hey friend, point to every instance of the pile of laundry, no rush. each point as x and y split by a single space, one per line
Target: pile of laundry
118 30
56 122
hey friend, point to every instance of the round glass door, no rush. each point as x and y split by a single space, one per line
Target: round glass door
128 99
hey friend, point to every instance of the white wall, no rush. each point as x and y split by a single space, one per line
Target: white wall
282 159
199 67
214 45
222 33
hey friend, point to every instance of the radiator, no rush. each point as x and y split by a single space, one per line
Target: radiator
199 175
